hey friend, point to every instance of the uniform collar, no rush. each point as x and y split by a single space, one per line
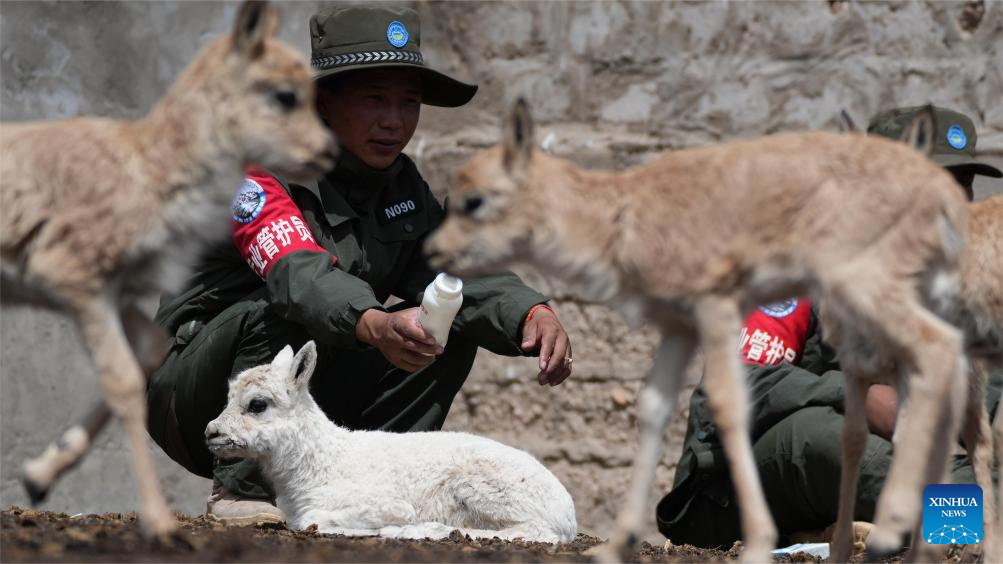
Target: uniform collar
359 183
352 187
351 169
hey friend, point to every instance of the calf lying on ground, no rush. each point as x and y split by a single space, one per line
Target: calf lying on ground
99 214
401 485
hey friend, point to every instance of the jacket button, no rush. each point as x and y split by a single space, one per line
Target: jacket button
701 434
408 227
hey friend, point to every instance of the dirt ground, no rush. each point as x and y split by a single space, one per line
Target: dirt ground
27 535
41 536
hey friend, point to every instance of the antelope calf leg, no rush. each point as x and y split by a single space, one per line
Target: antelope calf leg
937 366
41 473
994 552
146 339
655 407
945 435
979 445
124 388
719 322
854 443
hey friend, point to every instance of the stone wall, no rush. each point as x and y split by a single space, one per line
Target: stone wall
610 84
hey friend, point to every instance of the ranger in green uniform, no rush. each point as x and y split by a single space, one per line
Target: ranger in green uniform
796 410
319 261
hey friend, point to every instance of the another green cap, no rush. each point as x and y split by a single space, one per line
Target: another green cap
954 138
379 36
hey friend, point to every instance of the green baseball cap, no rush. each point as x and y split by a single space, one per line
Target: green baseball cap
379 36
954 138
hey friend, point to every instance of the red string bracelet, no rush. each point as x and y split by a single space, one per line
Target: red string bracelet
533 309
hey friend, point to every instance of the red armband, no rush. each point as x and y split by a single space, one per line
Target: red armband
267 224
776 333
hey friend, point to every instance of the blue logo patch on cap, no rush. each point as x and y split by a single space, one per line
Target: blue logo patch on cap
956 137
397 34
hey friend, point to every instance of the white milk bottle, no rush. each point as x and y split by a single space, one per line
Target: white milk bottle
442 300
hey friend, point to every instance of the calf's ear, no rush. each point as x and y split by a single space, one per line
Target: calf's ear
303 364
518 140
256 22
920 131
846 123
282 361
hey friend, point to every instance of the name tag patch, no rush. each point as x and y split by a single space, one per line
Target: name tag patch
397 210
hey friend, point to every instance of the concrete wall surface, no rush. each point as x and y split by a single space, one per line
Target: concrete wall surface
610 84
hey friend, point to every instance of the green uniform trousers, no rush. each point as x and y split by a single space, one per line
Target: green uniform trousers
799 463
357 389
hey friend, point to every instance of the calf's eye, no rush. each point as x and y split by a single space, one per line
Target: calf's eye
471 204
286 99
257 405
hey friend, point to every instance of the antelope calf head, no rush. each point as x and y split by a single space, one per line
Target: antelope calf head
494 213
259 95
263 405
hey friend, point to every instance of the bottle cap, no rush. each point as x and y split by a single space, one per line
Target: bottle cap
448 286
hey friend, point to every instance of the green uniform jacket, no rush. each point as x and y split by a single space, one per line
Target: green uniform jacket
356 214
775 392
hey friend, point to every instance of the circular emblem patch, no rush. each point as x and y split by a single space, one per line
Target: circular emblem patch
956 137
249 202
780 309
397 34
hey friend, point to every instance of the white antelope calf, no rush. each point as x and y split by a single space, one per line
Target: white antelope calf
695 239
98 214
364 483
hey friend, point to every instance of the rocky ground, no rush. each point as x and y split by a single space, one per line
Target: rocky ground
43 536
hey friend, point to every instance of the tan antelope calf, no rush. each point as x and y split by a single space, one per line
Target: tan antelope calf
695 239
978 311
981 319
99 213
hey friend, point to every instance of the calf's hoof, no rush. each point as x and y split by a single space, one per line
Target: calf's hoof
619 548
36 492
882 544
